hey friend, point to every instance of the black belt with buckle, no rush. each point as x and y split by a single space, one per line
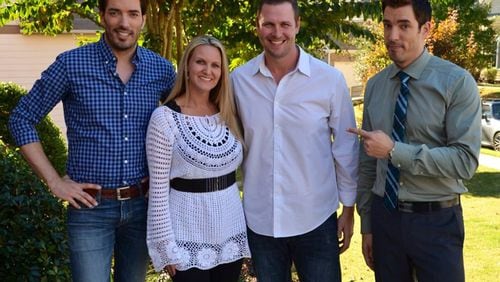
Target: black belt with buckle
200 185
121 193
422 207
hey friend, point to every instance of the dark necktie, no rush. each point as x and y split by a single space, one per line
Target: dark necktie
398 133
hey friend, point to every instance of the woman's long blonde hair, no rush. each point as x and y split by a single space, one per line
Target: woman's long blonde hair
221 95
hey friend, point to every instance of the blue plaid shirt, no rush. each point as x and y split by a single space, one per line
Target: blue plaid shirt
106 119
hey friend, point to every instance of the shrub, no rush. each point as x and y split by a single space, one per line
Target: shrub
50 136
488 74
33 238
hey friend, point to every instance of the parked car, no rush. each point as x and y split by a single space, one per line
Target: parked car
490 124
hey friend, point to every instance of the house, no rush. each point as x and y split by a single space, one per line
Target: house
24 57
345 63
495 7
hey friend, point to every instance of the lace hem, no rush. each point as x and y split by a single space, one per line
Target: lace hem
204 256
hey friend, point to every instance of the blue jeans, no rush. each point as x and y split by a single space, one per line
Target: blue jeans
113 227
315 255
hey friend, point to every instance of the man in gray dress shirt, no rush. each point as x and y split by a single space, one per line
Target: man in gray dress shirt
422 233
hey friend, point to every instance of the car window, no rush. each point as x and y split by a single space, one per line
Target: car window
486 110
495 110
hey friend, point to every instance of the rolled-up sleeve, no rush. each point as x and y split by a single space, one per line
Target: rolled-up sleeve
41 99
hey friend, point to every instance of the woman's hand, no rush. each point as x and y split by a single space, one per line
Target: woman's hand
170 270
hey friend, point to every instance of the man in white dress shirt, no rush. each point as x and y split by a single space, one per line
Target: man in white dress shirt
291 104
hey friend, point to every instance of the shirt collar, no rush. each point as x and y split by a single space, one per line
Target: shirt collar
303 65
415 69
108 55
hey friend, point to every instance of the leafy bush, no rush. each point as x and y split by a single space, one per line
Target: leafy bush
33 238
50 136
488 75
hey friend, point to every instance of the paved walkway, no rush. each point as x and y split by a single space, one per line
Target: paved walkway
489 161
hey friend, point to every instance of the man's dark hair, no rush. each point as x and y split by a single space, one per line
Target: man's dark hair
421 8
295 6
104 3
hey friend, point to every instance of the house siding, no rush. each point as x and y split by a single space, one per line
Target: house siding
495 8
23 58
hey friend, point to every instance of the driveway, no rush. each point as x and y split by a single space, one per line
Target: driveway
489 161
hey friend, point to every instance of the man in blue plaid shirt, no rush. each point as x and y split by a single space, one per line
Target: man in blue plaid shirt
109 90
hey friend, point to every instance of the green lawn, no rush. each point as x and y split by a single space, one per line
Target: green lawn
489 90
491 152
482 239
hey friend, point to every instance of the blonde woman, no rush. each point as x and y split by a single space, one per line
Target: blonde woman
196 227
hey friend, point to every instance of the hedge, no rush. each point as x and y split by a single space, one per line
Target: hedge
33 238
50 136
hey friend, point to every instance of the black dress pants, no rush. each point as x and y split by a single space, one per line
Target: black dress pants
427 245
228 272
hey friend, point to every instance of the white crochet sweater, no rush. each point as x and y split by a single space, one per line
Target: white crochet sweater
188 230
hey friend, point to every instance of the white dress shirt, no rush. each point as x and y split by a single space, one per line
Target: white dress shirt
294 175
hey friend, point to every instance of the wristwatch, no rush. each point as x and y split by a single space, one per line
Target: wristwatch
392 151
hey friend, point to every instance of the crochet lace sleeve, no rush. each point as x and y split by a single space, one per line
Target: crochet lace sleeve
160 236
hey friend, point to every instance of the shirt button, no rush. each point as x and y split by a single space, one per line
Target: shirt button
126 138
125 162
401 183
125 116
124 182
115 74
125 93
399 165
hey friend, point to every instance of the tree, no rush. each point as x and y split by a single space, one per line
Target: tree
474 31
372 56
463 36
171 23
442 42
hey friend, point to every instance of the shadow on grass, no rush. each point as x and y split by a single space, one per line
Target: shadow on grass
493 95
484 184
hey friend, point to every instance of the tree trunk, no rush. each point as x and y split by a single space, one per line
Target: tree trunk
164 31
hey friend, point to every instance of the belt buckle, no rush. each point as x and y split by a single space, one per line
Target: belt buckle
119 195
404 207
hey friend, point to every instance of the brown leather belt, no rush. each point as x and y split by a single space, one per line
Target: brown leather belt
421 207
121 193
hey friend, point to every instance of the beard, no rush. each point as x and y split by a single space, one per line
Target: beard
118 44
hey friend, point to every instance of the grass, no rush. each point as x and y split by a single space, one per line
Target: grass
482 224
481 208
490 152
352 263
489 90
